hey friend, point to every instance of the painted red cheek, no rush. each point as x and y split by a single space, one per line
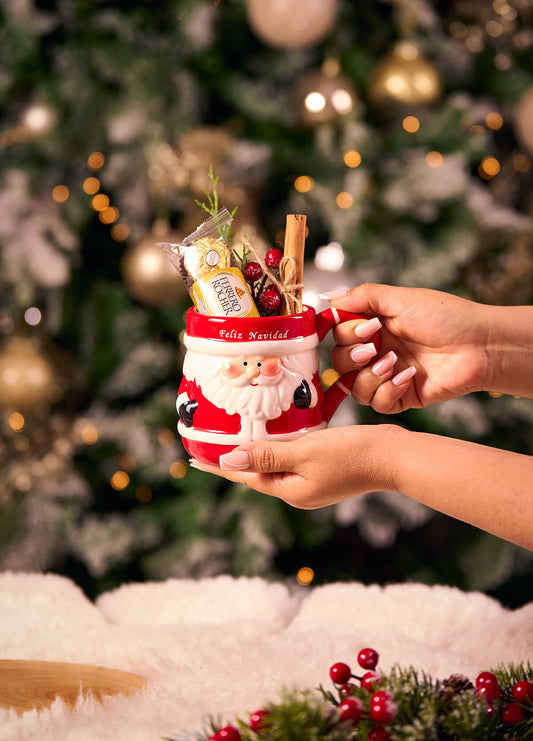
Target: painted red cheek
270 366
232 369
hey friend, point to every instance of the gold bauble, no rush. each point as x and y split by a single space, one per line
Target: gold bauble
291 24
148 274
25 375
323 95
403 77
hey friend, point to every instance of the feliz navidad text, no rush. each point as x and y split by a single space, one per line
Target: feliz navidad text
233 334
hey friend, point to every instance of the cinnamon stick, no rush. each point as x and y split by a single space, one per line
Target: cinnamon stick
294 248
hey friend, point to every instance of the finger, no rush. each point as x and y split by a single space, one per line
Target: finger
369 379
271 484
356 330
391 396
262 466
345 359
369 298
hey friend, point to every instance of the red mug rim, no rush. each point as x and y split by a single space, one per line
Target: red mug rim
247 329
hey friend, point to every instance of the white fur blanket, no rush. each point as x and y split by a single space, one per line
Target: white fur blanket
225 646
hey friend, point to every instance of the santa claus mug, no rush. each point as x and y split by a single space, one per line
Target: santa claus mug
255 378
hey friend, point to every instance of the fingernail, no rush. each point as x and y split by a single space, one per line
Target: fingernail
368 328
237 460
384 364
330 295
404 376
363 353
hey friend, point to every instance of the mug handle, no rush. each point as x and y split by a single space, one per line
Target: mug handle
338 391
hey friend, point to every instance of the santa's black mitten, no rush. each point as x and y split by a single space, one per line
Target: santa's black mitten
186 412
302 396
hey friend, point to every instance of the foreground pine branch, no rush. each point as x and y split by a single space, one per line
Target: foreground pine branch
404 705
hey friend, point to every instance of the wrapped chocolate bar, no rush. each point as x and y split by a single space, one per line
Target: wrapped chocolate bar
204 260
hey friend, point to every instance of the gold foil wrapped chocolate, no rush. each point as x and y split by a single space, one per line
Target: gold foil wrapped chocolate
205 262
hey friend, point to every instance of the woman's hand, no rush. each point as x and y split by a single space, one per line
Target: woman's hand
315 470
433 346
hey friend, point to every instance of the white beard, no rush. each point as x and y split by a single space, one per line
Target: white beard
265 401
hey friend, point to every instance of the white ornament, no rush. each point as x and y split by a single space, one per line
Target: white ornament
292 24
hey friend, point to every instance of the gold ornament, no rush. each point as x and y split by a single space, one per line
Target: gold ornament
403 77
523 119
148 275
292 24
26 377
324 94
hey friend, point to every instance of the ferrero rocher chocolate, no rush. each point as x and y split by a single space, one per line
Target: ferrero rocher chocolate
202 257
216 285
219 288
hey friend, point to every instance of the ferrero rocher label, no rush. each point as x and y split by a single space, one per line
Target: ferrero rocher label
223 292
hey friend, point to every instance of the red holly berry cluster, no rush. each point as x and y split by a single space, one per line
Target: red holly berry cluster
382 708
511 711
257 721
266 297
373 708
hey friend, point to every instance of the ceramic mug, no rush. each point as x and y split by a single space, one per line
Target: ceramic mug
255 378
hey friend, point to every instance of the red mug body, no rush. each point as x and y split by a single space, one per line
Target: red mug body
254 378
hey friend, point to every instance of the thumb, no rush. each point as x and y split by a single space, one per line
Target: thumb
260 457
366 298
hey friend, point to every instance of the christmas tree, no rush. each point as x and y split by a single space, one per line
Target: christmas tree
404 131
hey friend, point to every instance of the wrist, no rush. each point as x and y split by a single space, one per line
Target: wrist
383 444
509 350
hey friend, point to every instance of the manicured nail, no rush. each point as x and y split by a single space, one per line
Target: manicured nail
237 460
363 353
364 330
404 376
384 364
330 295
194 463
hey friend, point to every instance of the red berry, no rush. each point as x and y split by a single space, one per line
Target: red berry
270 298
340 673
347 688
486 678
273 258
378 733
523 691
487 686
489 692
351 709
512 714
382 707
229 733
367 658
252 272
257 720
370 681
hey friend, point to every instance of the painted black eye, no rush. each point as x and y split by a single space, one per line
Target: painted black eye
259 365
245 362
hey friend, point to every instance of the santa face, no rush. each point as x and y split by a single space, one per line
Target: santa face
253 370
254 386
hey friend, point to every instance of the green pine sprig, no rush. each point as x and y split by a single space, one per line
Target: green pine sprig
426 711
212 206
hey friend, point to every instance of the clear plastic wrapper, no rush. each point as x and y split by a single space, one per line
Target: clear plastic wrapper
206 264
